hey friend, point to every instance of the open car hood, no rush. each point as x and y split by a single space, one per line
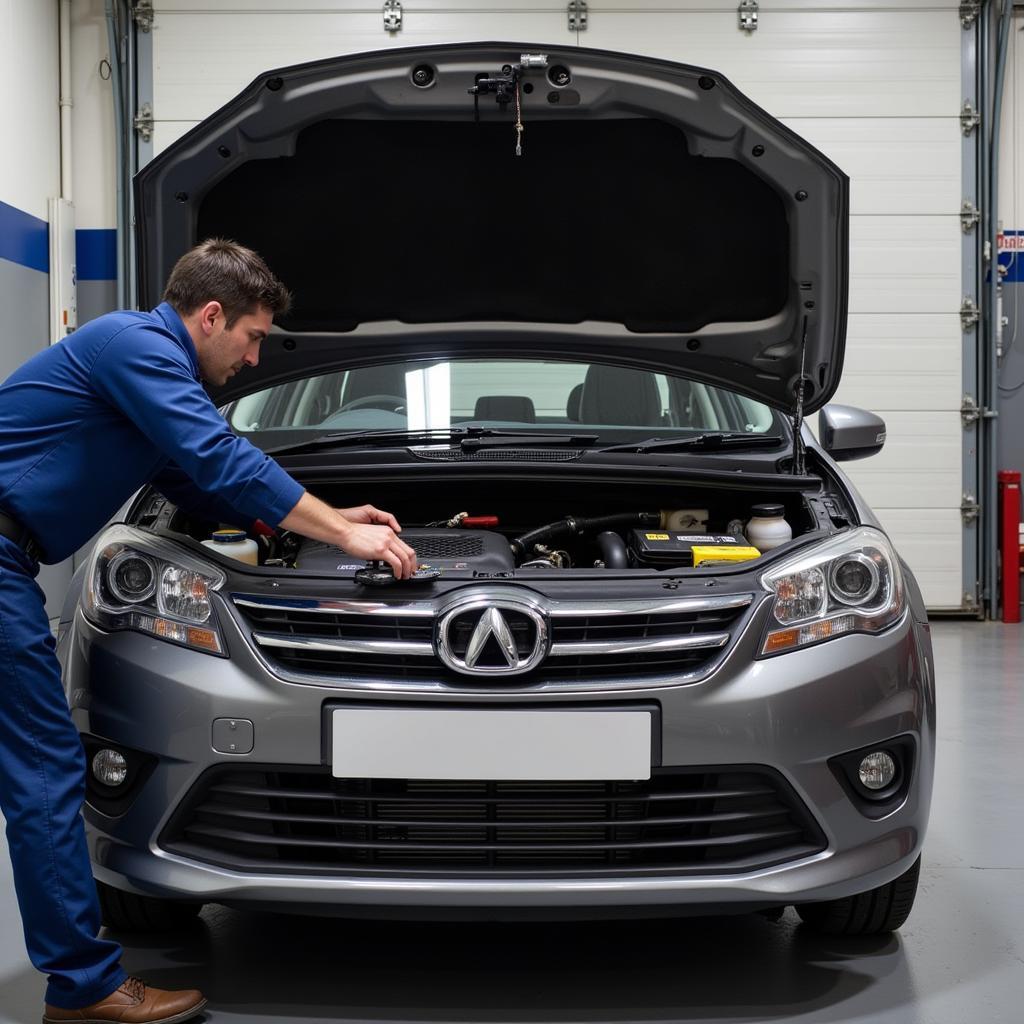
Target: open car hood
656 217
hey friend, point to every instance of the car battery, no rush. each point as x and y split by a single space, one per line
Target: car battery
666 550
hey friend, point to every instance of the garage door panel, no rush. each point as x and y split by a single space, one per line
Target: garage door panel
417 7
919 465
905 264
929 541
910 362
851 63
896 165
195 72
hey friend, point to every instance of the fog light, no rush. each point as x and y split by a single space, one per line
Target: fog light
110 767
877 770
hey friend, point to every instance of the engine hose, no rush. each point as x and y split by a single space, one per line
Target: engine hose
613 550
571 526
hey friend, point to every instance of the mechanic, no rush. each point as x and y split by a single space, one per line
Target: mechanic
117 404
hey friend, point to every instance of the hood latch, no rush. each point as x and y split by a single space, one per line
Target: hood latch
505 87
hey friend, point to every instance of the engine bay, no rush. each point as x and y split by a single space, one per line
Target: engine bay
503 539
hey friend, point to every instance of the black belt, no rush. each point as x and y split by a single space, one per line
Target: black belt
13 530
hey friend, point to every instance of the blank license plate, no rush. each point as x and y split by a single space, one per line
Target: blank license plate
377 743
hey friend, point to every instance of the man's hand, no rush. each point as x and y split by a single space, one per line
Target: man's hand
365 532
369 514
380 543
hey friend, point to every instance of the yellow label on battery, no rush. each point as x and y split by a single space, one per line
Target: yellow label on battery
704 554
658 536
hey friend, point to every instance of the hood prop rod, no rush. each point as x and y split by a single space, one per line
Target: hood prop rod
799 452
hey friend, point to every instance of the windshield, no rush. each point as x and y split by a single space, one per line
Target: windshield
552 396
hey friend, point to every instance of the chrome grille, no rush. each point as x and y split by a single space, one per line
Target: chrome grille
682 821
677 639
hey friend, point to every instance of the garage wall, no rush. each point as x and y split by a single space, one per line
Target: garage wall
1011 214
29 176
94 171
877 86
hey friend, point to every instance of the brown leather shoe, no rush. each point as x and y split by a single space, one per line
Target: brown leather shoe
133 1003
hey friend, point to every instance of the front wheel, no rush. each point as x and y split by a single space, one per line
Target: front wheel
127 912
874 912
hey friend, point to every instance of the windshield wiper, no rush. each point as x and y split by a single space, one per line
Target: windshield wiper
469 438
700 442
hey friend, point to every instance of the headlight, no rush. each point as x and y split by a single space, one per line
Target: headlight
136 581
849 584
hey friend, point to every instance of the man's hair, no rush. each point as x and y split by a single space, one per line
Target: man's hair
219 270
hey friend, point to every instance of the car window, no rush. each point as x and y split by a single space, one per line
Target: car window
548 394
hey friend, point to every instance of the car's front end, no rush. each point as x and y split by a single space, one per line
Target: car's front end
603 694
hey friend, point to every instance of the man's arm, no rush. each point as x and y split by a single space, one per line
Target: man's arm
374 540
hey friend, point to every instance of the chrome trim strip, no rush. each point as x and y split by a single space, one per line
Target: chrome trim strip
420 609
677 643
309 643
557 609
680 605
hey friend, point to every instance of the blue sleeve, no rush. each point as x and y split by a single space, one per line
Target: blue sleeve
173 483
143 373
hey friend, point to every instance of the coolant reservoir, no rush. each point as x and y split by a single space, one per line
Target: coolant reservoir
234 544
767 527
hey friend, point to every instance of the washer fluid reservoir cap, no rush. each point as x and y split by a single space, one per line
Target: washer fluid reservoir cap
228 536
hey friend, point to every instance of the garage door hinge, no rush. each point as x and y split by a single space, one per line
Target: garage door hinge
970 215
142 12
969 13
971 412
748 15
969 315
969 508
969 118
577 15
392 15
143 122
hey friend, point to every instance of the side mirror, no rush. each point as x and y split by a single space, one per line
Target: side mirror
848 433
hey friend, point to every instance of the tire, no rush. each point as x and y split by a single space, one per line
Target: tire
127 912
874 912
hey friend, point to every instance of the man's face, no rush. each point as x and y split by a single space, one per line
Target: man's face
222 351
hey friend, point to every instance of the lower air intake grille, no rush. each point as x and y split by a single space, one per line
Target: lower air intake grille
286 820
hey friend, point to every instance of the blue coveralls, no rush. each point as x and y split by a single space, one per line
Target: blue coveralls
83 425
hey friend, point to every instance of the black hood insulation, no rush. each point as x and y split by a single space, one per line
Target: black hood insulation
424 222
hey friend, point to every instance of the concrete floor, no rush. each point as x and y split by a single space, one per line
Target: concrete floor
960 957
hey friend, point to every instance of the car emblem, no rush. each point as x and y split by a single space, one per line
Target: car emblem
485 637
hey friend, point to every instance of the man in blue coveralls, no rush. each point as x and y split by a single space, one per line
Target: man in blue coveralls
82 425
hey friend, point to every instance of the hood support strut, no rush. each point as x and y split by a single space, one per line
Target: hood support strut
798 412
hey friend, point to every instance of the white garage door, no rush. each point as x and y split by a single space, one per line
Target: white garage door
875 86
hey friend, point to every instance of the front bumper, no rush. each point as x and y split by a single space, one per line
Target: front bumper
791 713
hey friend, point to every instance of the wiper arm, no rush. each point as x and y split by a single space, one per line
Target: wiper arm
470 438
701 442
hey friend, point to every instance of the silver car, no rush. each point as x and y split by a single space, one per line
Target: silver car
564 313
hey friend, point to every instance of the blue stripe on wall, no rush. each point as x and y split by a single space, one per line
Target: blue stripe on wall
24 239
96 254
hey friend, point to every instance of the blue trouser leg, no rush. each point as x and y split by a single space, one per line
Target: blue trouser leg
42 786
